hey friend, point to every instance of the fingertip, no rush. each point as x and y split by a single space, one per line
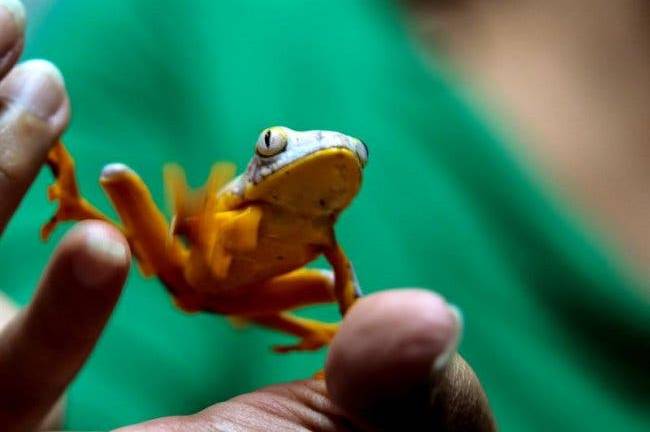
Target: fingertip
81 286
49 98
17 12
53 104
37 87
100 254
12 25
381 362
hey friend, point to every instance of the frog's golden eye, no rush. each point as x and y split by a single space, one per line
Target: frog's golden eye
271 142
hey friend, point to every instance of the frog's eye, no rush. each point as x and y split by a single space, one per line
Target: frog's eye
271 142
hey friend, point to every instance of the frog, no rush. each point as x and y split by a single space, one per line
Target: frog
239 246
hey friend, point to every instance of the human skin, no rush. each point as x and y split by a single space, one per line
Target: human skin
573 77
392 365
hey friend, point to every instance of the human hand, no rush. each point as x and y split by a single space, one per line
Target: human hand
392 366
44 346
380 372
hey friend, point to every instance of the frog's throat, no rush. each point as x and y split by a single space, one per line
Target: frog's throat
322 182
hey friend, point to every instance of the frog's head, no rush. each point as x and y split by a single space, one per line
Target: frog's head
312 172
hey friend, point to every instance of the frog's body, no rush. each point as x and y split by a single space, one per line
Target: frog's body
237 247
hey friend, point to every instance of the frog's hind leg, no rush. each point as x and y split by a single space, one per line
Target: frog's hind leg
267 305
298 288
313 334
292 288
72 206
343 288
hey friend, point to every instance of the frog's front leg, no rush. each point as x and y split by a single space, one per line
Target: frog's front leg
72 206
144 225
346 284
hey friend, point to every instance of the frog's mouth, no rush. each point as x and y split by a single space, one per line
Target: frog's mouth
302 146
323 181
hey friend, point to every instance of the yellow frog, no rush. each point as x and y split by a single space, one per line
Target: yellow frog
237 247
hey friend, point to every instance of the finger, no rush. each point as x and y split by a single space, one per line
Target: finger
8 309
392 366
34 110
12 26
42 349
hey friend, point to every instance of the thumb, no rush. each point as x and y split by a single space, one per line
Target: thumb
44 347
393 366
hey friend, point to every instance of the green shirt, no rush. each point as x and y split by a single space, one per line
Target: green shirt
555 327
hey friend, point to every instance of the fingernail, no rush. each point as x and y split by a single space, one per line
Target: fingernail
37 86
103 256
12 23
452 345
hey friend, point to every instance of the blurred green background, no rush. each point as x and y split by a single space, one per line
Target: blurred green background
555 328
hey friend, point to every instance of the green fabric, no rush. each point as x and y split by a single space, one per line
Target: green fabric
556 331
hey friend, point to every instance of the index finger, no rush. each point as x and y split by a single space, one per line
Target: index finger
43 348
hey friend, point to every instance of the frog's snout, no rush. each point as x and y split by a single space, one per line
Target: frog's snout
361 149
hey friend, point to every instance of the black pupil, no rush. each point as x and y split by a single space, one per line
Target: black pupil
267 138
